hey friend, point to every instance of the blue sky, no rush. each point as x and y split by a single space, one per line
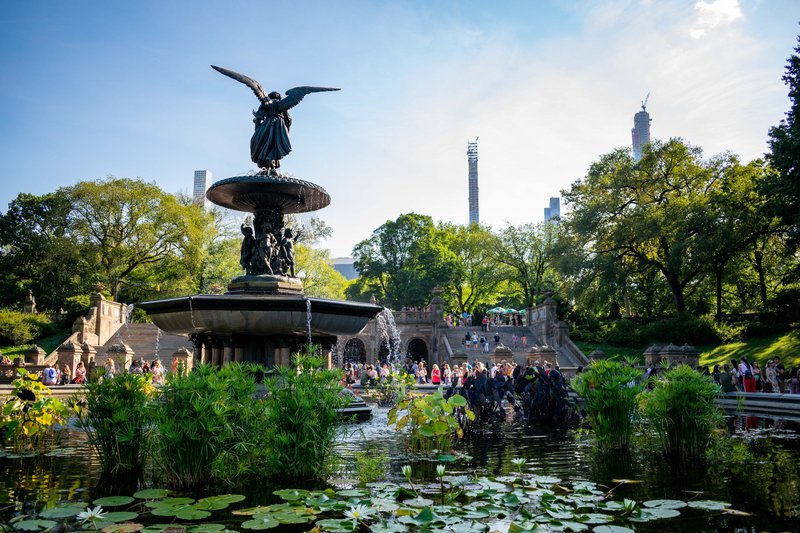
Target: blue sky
91 89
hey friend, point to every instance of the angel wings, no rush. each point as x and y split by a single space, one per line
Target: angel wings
270 141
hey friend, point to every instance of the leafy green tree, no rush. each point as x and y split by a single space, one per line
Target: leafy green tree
524 254
475 277
654 211
319 278
36 241
783 190
402 262
129 225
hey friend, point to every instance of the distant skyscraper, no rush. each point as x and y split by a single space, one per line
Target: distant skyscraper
554 210
472 161
641 130
202 181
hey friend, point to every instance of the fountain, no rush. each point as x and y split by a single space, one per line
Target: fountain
264 316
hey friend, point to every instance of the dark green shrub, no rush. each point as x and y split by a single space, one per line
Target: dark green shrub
683 329
115 417
17 327
609 390
681 409
208 427
301 421
623 333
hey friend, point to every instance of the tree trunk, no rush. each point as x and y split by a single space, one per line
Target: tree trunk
762 281
718 272
676 289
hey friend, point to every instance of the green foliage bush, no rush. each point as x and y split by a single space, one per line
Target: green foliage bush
431 420
609 390
681 409
116 417
208 426
17 327
30 415
683 329
623 332
301 420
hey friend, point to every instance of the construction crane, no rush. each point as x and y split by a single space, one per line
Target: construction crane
644 102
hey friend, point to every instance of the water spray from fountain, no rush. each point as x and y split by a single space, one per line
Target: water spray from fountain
388 333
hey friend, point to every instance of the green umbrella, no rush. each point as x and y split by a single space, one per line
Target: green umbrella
498 310
511 311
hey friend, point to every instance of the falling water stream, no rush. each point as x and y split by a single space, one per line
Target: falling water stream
308 319
388 333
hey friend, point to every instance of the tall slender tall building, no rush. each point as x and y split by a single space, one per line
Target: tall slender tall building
472 162
641 130
202 181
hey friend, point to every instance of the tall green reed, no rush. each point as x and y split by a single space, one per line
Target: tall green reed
115 417
682 411
609 390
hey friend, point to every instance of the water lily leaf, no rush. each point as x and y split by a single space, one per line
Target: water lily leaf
594 518
227 498
158 528
565 525
120 516
612 529
383 505
127 527
514 527
67 511
352 493
34 525
418 502
262 522
292 518
336 526
708 505
626 481
169 510
653 513
210 505
665 504
169 501
250 511
734 512
150 494
545 480
512 500
206 528
446 458
291 495
113 501
560 515
192 514
388 527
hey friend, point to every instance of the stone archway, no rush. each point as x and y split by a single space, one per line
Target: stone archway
354 351
417 350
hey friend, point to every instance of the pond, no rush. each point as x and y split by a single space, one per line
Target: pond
766 484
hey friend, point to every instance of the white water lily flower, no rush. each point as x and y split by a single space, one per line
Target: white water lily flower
439 470
91 514
518 461
358 512
407 471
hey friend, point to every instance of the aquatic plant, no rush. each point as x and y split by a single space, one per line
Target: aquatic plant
371 466
609 390
115 415
391 389
434 423
29 417
301 419
207 425
681 409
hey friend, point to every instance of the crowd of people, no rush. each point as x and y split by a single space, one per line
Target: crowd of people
487 322
54 374
744 376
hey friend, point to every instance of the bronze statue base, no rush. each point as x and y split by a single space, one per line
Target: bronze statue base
265 284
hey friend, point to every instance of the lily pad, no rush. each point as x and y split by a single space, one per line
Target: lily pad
113 501
261 522
335 526
206 528
191 513
418 502
227 498
150 494
612 529
67 511
291 495
34 525
120 516
352 493
170 501
625 482
127 527
665 504
708 505
388 527
653 513
446 458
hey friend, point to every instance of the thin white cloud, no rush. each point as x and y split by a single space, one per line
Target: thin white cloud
711 15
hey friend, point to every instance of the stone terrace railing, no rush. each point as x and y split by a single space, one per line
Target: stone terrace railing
414 317
8 373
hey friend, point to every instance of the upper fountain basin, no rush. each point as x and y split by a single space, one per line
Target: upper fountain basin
227 314
271 190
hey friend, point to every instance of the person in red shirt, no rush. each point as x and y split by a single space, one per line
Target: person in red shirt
436 376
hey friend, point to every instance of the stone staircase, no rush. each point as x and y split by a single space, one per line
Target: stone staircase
146 342
455 336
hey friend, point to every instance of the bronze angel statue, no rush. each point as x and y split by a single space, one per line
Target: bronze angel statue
270 141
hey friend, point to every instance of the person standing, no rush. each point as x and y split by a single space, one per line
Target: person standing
524 340
436 378
746 371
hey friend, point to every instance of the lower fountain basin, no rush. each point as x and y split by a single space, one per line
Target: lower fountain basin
228 314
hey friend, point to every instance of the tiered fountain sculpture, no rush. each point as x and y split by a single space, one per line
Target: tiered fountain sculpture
264 316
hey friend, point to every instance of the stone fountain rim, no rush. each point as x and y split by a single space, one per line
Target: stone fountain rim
260 302
215 192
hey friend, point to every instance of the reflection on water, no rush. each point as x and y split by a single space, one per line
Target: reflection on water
767 484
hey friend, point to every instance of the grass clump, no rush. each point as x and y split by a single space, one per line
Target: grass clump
681 410
115 416
208 426
301 419
609 389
